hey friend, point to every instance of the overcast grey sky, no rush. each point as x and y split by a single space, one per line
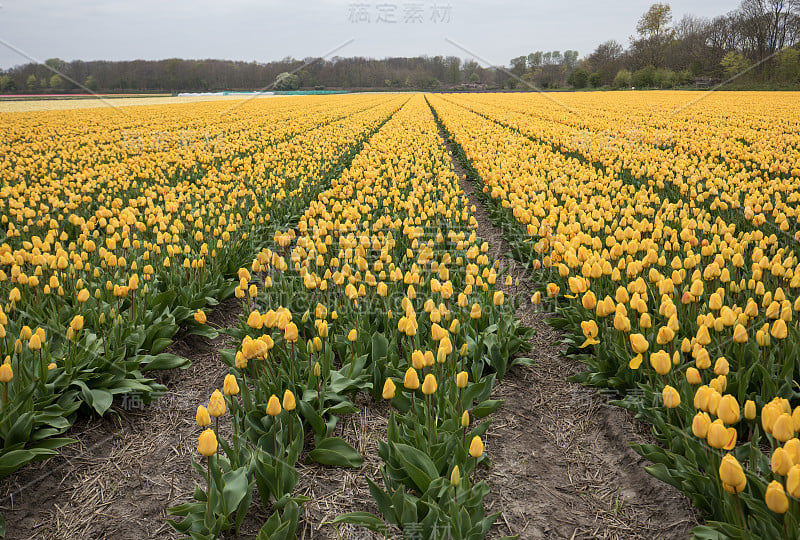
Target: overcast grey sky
264 30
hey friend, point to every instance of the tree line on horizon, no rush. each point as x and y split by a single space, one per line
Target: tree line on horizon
760 37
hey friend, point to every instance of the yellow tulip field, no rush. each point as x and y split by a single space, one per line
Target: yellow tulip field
659 227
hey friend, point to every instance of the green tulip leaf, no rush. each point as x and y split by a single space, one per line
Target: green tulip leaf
337 452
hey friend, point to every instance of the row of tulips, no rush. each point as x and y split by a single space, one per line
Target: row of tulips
383 287
736 152
690 317
111 254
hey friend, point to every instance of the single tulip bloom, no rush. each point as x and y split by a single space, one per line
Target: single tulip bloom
290 332
728 409
200 316
661 362
230 387
207 443
475 312
769 414
202 417
779 330
781 461
216 404
721 437
693 376
665 335
411 379
740 334
273 406
289 402
77 323
671 397
793 481
721 366
639 343
635 362
783 428
775 497
388 389
417 359
455 477
731 473
352 335
749 409
700 425
255 320
6 373
498 298
476 447
35 343
461 379
429 384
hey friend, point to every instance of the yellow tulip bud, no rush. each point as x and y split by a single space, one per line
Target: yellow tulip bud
429 384
455 478
290 332
749 409
721 366
229 386
273 406
498 298
660 360
203 418
461 379
781 461
775 498
783 428
207 443
731 473
671 397
476 447
411 379
639 343
728 409
6 373
388 389
700 425
721 437
693 376
475 312
216 404
793 481
289 402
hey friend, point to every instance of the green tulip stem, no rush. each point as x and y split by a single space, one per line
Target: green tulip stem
235 411
430 416
740 512
352 361
291 346
786 525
